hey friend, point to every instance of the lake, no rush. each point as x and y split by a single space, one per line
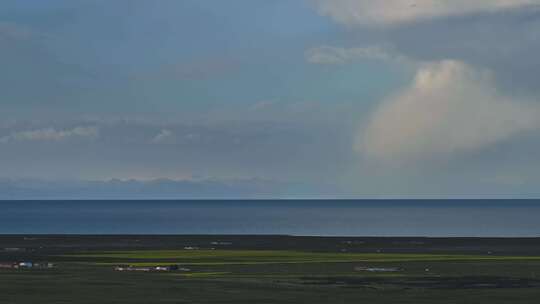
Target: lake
474 218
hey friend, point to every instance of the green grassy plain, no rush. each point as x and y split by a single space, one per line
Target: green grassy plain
247 272
248 257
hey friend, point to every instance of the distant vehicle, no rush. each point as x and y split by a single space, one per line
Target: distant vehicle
377 269
148 269
26 265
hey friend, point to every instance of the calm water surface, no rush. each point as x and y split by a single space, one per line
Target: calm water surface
322 217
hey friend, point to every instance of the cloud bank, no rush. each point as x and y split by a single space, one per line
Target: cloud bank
338 55
450 108
51 134
158 189
393 12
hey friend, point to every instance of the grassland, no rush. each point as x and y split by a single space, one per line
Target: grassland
258 269
259 257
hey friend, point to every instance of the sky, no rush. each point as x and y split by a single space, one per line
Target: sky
281 98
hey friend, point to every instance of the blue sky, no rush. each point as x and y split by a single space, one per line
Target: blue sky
358 97
139 56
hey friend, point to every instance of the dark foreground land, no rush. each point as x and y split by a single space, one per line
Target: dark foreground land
267 269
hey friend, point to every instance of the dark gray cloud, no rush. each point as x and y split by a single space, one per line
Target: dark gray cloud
507 43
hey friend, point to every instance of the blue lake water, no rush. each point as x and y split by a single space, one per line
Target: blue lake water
503 218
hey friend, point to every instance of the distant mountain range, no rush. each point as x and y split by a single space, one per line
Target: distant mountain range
29 189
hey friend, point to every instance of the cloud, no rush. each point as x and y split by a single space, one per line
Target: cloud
263 105
144 149
338 55
51 134
393 12
163 137
450 108
206 188
503 38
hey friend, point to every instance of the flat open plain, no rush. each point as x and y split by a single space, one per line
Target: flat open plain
268 269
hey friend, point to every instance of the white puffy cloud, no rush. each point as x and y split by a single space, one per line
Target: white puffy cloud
339 55
391 12
450 108
51 134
